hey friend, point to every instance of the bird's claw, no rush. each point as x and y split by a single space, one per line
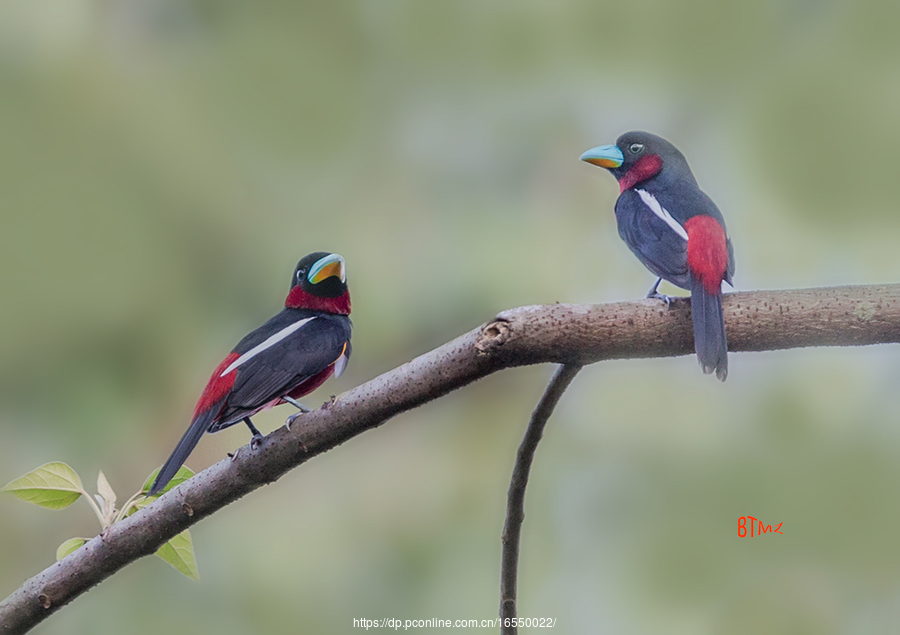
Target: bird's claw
291 419
656 295
661 296
299 406
256 441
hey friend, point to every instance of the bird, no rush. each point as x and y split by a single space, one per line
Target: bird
283 360
675 229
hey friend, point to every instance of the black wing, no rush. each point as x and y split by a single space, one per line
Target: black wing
655 244
281 367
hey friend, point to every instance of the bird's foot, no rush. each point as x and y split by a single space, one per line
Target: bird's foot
661 296
252 428
257 438
290 420
656 295
299 406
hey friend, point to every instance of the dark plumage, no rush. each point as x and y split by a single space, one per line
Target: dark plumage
675 229
286 358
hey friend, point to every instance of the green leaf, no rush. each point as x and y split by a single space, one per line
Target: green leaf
68 547
183 474
179 552
137 505
53 485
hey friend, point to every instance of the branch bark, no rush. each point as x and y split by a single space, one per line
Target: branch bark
561 333
515 506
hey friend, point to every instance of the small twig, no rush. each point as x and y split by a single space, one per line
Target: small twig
122 513
515 506
95 507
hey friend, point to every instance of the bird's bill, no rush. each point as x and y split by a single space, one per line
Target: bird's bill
330 265
604 156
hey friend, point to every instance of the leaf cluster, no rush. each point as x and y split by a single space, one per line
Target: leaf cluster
56 486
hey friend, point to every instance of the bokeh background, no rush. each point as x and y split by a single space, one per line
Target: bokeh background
165 163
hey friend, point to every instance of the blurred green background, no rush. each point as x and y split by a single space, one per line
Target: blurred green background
165 163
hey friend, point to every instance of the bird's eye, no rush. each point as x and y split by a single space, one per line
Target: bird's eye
300 274
635 148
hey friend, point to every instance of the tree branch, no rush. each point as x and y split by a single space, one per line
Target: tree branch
561 333
515 506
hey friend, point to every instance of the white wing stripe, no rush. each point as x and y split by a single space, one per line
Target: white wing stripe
270 341
661 211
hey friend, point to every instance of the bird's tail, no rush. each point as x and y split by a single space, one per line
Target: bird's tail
184 448
709 329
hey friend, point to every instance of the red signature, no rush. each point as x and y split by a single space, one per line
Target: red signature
763 529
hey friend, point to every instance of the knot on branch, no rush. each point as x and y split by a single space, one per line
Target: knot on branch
493 335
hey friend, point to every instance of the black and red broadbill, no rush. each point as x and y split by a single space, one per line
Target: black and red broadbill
286 358
675 229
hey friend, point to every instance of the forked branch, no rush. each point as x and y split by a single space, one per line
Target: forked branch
561 333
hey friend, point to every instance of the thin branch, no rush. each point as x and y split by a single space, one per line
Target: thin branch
561 333
515 506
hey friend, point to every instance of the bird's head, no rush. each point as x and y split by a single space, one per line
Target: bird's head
320 283
638 156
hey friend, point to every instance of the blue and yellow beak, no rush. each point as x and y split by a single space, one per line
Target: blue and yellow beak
608 157
330 265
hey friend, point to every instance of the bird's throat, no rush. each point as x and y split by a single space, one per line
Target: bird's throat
299 298
644 168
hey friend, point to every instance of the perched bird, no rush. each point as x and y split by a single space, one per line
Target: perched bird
286 358
675 229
